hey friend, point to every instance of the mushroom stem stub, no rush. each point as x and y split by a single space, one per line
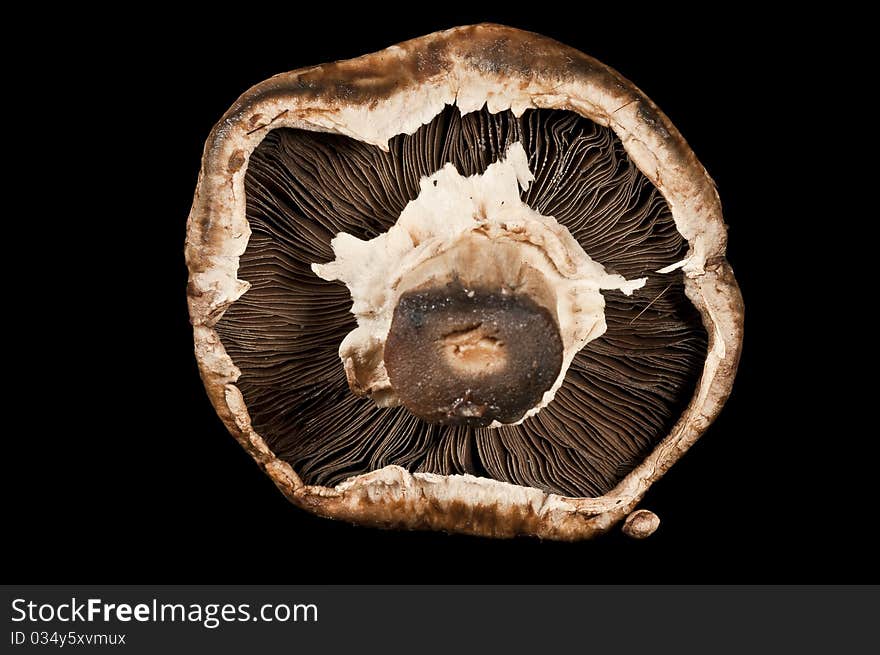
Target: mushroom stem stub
471 356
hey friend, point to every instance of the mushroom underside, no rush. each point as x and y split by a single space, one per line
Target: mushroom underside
622 393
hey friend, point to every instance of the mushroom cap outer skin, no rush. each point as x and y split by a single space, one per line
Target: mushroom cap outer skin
373 98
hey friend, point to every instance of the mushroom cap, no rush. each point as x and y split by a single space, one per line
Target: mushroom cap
374 97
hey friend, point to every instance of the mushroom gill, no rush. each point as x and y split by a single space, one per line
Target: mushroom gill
623 391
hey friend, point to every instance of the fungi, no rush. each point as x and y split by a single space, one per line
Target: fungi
475 282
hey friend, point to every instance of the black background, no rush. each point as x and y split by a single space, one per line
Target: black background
121 471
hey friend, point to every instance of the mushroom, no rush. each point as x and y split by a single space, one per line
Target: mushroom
475 282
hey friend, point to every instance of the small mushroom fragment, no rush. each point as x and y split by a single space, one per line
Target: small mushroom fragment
474 283
641 524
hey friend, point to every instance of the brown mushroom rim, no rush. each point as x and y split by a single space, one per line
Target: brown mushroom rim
395 91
